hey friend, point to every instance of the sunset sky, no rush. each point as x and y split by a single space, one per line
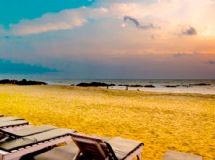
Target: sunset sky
132 39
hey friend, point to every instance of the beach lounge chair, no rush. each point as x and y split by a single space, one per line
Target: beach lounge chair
93 148
114 149
16 148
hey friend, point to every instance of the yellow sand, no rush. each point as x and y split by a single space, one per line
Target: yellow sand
183 122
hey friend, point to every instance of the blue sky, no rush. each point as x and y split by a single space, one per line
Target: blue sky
108 38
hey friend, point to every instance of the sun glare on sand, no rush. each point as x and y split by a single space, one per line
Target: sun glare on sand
182 122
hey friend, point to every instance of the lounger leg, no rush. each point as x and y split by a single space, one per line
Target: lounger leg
77 156
139 156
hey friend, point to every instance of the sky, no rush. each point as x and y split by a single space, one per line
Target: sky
108 39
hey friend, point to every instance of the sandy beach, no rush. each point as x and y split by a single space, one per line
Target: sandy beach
182 122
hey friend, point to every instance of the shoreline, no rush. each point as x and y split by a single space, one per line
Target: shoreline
198 86
142 89
153 92
172 91
206 87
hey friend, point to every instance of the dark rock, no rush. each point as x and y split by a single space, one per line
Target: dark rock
22 82
200 84
135 85
172 86
94 84
5 81
149 86
122 85
131 85
25 82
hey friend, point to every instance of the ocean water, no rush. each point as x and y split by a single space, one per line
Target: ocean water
183 86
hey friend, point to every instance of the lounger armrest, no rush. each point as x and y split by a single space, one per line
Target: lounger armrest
124 147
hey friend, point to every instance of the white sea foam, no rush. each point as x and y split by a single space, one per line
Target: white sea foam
182 86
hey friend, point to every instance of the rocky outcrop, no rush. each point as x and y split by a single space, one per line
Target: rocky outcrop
135 85
149 86
172 86
200 84
94 84
131 85
22 82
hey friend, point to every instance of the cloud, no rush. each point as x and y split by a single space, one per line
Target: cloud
72 18
180 55
135 21
10 67
127 19
3 32
149 66
169 14
91 39
48 22
189 31
64 20
101 22
211 62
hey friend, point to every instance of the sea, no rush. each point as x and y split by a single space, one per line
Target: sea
167 86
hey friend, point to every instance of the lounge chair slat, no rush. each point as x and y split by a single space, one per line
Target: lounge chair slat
12 123
32 130
34 139
50 134
4 119
13 145
33 148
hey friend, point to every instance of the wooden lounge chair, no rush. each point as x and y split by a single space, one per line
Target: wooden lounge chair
15 149
114 149
94 148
